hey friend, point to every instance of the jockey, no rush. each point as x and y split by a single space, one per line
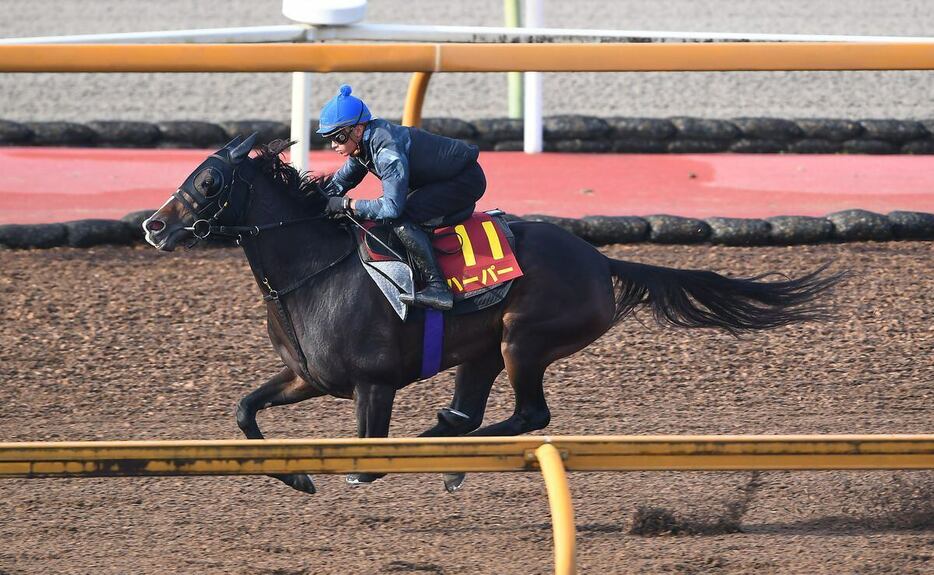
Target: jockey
425 177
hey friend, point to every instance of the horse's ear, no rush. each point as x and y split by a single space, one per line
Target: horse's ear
230 145
241 151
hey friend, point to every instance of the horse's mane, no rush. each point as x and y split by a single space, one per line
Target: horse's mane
270 163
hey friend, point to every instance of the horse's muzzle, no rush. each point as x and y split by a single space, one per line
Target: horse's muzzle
160 235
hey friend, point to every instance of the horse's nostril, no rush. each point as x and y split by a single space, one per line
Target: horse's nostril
155 225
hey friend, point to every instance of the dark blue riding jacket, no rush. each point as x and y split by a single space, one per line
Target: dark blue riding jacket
404 159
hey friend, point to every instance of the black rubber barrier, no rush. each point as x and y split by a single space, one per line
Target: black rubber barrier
665 229
86 233
845 226
912 225
33 235
566 133
791 230
739 231
860 225
126 134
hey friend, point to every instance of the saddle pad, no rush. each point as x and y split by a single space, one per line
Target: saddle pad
475 255
375 250
489 243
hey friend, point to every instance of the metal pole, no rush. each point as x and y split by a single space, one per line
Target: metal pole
514 79
415 98
562 509
533 89
301 120
414 33
500 34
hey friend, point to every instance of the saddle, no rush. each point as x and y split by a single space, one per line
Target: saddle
475 251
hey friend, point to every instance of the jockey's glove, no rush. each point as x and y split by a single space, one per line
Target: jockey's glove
337 206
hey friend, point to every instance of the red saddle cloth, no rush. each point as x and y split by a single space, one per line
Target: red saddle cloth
475 255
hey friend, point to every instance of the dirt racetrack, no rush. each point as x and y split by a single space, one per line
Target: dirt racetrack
126 343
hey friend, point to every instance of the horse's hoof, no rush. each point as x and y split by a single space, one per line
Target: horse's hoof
300 481
304 482
362 478
453 481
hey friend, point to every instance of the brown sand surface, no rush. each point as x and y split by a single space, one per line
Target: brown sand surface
126 343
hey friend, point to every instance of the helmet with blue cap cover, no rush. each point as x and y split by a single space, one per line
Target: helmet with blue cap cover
341 111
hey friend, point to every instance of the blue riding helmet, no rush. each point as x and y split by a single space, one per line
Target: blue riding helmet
341 111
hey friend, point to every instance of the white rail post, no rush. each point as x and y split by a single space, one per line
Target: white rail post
532 141
513 13
315 13
301 119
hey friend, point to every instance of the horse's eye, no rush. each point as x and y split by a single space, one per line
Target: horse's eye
209 182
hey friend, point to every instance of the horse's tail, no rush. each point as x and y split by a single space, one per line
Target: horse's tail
698 298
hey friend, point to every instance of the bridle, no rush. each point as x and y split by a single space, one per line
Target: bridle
207 210
199 206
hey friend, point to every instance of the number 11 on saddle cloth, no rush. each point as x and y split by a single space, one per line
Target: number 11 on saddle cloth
475 255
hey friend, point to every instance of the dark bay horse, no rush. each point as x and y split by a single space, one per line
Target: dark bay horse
337 334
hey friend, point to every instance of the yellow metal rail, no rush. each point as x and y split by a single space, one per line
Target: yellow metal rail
423 59
419 455
552 455
620 57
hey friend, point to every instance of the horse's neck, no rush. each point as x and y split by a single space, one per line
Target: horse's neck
285 255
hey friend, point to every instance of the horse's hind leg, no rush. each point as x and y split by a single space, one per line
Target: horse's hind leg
531 411
530 345
282 389
472 385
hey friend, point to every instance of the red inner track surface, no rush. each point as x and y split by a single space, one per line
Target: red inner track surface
60 184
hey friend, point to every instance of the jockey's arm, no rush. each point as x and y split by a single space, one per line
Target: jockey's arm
346 178
393 169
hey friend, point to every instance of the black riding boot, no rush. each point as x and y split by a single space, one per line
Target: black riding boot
436 294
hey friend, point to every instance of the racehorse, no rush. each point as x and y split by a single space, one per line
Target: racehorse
320 300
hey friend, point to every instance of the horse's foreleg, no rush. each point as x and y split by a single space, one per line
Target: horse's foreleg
374 409
282 389
472 385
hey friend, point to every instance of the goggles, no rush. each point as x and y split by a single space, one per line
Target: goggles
339 137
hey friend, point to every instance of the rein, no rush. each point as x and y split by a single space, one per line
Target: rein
275 294
372 235
203 228
237 233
